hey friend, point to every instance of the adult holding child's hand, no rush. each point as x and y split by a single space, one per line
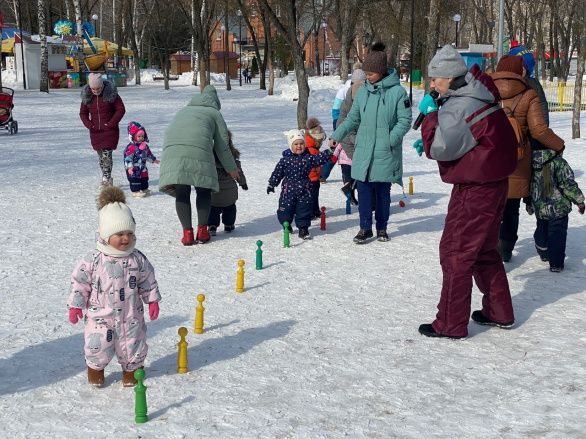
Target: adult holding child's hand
196 133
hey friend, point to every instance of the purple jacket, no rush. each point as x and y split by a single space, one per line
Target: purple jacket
101 115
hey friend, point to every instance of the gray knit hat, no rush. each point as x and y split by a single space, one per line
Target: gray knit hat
376 60
447 63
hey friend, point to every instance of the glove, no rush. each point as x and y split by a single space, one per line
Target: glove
581 208
130 171
529 208
153 310
244 187
270 189
75 315
427 105
418 146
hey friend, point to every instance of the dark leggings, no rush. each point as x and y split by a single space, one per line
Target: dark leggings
203 202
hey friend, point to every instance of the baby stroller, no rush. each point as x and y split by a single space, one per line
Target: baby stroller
6 106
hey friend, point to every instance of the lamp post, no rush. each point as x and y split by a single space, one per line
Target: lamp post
324 26
457 18
239 13
95 19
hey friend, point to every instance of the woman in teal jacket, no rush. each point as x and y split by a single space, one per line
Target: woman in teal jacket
195 133
381 113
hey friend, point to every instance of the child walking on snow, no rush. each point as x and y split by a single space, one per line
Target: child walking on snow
136 154
293 170
314 137
112 282
224 201
553 190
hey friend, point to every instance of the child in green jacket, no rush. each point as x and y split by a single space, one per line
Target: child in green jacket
553 190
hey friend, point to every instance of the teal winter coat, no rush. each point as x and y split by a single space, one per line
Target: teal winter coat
191 138
381 114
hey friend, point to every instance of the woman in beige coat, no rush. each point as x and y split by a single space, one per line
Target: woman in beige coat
522 102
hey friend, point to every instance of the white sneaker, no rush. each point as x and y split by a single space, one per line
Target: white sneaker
138 194
146 192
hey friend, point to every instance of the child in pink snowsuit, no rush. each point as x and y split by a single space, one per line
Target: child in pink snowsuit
112 282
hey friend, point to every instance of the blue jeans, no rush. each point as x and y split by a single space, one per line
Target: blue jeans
550 238
382 194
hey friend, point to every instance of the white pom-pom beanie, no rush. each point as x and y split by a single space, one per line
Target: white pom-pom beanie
115 218
293 135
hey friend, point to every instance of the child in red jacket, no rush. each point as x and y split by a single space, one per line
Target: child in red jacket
314 137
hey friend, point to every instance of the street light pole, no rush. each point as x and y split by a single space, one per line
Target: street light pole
324 25
239 13
457 19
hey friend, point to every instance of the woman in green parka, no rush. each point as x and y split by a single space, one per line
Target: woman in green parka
195 133
381 113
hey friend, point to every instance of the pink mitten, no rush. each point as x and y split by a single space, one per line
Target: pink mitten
154 310
75 315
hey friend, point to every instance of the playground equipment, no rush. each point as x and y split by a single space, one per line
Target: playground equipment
93 61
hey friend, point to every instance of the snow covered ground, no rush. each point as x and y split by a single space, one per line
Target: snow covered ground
323 343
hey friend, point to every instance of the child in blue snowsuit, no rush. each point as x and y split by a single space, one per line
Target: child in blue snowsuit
136 154
293 170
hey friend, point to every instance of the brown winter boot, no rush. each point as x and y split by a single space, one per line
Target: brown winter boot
203 235
95 377
128 379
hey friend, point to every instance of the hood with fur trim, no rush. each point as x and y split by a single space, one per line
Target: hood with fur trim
109 93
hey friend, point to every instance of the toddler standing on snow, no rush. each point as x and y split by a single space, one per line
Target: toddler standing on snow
136 154
293 170
553 190
224 201
112 282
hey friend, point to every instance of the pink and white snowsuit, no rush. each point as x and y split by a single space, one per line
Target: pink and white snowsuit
113 290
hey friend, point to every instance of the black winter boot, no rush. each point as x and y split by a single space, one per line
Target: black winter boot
505 249
362 236
304 233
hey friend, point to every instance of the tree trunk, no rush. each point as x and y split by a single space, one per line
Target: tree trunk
225 48
581 30
432 38
133 44
344 51
316 44
302 87
42 10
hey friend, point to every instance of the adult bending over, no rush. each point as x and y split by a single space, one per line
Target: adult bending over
195 133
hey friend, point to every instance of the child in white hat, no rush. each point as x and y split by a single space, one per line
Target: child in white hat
293 171
112 282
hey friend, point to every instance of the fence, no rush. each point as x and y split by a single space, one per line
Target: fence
560 96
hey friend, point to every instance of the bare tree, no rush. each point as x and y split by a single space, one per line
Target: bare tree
225 48
345 19
42 9
581 37
287 24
